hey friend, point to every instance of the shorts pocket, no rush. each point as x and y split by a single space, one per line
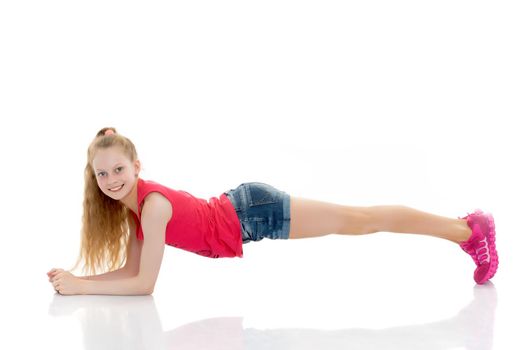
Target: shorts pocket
258 193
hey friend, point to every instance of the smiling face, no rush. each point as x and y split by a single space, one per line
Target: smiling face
114 172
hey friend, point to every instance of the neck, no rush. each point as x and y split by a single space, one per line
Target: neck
130 200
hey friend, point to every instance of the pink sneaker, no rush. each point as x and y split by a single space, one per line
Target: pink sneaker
481 245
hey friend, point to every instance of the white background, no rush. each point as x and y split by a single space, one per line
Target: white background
359 103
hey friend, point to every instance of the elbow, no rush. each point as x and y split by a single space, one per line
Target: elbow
146 288
141 287
148 291
143 291
145 284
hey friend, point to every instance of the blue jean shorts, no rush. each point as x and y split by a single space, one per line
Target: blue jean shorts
263 211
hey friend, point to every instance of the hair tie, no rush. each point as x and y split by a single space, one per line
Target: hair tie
109 132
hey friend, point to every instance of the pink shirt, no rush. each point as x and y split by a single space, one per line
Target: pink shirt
208 228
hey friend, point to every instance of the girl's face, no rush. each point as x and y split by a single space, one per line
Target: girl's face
114 172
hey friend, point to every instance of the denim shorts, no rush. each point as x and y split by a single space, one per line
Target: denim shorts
263 211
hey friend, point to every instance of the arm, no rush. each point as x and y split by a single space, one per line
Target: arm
156 214
109 276
131 267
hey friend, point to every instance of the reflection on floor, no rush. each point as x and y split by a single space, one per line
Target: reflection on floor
120 322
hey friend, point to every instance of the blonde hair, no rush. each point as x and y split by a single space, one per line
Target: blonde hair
105 221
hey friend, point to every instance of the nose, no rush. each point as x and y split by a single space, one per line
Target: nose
112 180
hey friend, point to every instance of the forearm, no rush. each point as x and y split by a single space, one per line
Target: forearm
112 275
124 286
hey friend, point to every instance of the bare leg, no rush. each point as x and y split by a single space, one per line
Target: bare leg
402 219
312 218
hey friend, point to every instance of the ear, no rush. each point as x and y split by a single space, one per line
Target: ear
137 166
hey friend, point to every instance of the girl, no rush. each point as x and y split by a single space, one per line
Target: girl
127 221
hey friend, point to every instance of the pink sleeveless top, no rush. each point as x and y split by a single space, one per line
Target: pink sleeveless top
208 228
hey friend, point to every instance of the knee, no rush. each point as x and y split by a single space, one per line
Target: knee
359 221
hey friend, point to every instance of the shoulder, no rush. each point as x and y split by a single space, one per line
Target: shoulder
156 206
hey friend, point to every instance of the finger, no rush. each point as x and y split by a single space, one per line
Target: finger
58 274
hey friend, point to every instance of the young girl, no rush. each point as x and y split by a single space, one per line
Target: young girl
127 221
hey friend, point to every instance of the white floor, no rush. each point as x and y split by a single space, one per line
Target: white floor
358 297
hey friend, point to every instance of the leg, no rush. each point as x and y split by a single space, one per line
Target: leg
311 218
402 219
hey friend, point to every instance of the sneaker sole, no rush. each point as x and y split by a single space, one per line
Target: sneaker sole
494 262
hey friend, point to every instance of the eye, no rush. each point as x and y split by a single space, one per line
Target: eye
102 172
120 167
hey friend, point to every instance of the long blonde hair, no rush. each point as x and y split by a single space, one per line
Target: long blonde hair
105 221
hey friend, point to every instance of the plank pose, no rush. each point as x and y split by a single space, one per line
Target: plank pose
127 221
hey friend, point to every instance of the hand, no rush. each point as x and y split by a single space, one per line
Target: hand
52 274
65 282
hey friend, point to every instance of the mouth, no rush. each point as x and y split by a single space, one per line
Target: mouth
116 189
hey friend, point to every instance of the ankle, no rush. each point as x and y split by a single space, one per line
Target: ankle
463 231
